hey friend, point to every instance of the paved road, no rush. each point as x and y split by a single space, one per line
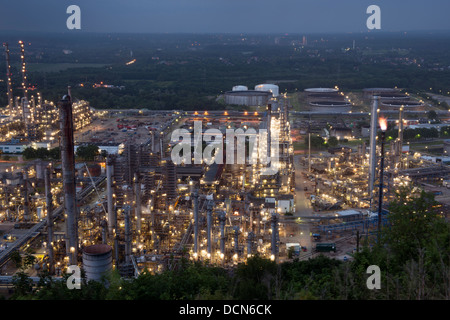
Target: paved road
302 203
300 232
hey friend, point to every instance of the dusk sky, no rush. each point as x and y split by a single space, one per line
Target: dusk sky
228 16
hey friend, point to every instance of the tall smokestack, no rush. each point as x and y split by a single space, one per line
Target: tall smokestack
49 204
68 173
112 218
8 79
373 146
24 71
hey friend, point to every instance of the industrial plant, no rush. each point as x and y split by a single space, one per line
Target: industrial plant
132 208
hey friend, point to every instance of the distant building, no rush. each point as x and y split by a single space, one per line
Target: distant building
341 133
44 144
12 147
109 147
365 131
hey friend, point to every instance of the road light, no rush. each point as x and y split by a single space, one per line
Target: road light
383 126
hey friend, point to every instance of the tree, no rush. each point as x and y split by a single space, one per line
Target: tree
316 141
255 279
414 224
29 153
87 152
333 142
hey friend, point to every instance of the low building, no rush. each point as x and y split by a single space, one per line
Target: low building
109 147
341 133
13 147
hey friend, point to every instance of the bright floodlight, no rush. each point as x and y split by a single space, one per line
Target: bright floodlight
383 124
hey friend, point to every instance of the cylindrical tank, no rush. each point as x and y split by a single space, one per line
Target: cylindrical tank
274 89
40 168
97 261
240 88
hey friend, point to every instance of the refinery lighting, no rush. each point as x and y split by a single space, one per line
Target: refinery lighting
383 124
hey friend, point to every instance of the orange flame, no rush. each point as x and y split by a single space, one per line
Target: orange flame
383 124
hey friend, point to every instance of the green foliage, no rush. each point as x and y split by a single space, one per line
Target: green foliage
255 279
414 223
332 142
87 152
317 142
41 153
23 286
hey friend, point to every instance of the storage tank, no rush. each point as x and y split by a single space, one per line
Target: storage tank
40 167
97 261
268 87
240 88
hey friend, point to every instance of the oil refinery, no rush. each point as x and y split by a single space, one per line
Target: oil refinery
132 208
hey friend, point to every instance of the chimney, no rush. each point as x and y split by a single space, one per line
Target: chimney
68 173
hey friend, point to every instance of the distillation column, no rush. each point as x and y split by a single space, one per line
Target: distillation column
222 220
209 210
126 212
26 204
137 191
49 205
112 218
274 224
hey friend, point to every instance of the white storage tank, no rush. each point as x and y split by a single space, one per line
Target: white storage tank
97 261
274 89
240 88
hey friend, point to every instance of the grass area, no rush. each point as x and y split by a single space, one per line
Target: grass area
352 143
300 146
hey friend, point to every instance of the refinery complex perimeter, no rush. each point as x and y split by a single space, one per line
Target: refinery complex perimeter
131 208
